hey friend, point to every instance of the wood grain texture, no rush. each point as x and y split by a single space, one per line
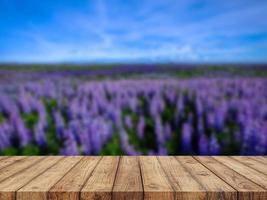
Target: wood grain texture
252 174
185 186
133 178
262 159
68 188
259 166
3 158
215 187
100 184
128 183
155 181
38 188
247 190
17 166
9 186
6 161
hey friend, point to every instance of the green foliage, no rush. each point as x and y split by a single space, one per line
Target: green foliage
2 119
30 119
31 150
112 147
11 151
53 144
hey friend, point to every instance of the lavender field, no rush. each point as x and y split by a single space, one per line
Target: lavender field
140 115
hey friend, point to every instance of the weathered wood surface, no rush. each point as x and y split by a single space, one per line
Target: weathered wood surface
133 178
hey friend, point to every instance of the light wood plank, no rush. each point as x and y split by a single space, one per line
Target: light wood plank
100 184
215 187
6 161
155 181
145 177
10 185
246 189
262 159
38 188
17 166
128 184
259 166
244 170
185 186
3 158
68 188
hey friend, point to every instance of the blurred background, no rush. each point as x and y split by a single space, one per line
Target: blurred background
114 77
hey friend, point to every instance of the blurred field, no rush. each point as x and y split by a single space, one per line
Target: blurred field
132 110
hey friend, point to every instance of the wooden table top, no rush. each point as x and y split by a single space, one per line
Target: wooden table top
125 177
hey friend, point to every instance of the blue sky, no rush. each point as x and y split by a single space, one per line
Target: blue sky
133 30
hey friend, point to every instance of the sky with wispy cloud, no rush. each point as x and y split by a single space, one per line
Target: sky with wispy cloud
133 30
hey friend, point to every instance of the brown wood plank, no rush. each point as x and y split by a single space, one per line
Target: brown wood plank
10 185
246 189
185 186
3 158
99 185
6 161
128 182
262 159
68 188
244 170
216 188
155 181
38 188
17 166
259 166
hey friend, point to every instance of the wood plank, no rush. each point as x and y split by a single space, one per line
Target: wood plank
246 189
10 185
216 188
6 161
144 177
244 170
17 166
68 188
38 188
259 166
155 181
3 158
185 186
99 185
262 159
128 182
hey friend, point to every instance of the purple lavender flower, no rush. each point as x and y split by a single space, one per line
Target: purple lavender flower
203 145
128 122
214 147
70 145
159 131
141 127
186 138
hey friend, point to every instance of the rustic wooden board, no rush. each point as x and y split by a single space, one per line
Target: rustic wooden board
262 159
250 173
9 186
18 166
155 181
100 184
246 188
38 188
128 183
133 178
68 188
215 187
259 166
6 161
184 184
